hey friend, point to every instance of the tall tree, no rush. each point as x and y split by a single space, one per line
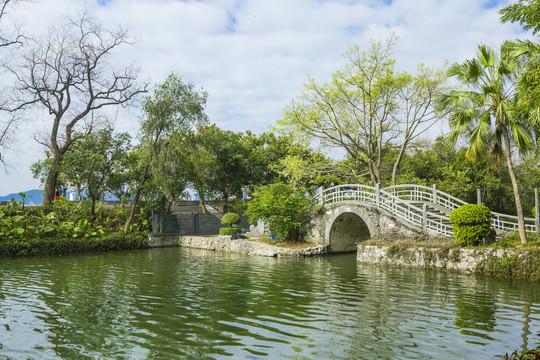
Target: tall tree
416 108
366 109
485 111
8 36
527 14
70 74
174 109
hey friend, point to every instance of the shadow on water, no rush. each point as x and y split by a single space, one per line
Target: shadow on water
182 303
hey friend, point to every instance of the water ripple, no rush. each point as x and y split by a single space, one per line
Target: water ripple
178 303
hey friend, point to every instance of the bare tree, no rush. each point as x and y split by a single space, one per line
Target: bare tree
70 73
8 36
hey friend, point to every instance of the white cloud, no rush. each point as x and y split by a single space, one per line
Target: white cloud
252 56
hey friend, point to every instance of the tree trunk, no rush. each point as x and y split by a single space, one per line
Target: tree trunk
50 183
93 207
136 199
201 201
519 206
396 164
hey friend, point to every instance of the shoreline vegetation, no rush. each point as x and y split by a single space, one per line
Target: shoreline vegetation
69 228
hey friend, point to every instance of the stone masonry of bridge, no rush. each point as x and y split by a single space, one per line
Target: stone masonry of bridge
340 226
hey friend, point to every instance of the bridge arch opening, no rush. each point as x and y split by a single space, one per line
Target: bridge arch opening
347 230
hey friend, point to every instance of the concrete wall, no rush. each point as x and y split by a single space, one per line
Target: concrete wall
224 243
465 260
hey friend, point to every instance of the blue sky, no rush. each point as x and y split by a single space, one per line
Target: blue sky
252 56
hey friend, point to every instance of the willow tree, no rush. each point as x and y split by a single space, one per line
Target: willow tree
170 112
70 73
485 111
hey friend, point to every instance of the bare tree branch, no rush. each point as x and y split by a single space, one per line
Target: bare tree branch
71 74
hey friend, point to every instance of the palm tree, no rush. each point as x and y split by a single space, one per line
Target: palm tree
485 113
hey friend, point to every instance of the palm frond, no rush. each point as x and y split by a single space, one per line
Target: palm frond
485 55
522 137
477 140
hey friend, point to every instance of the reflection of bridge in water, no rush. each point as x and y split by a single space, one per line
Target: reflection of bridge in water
352 213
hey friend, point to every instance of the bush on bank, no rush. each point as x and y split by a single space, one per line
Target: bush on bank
64 219
284 208
66 228
230 231
470 224
65 245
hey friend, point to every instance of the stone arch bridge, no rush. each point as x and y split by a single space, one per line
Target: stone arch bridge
353 213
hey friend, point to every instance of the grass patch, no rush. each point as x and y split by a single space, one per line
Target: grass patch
285 244
512 241
400 242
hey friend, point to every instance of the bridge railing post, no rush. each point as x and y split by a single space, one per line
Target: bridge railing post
479 196
378 194
424 218
435 194
536 211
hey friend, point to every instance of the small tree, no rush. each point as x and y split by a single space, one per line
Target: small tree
284 208
231 221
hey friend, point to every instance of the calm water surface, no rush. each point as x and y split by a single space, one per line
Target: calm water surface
178 303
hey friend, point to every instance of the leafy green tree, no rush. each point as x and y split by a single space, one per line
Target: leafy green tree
284 208
526 12
453 172
174 109
94 160
367 109
264 155
224 154
485 112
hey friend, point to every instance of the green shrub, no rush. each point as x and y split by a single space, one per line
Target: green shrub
69 245
284 208
230 219
470 224
229 231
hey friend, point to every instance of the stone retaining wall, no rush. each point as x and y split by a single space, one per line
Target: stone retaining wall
465 260
224 243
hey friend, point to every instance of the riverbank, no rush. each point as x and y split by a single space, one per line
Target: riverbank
224 243
121 241
507 263
66 246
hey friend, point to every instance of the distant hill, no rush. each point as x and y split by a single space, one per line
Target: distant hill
33 197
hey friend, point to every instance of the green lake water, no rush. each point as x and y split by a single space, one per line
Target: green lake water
176 303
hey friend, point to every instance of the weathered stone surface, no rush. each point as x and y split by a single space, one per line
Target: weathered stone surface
224 243
162 241
340 226
465 260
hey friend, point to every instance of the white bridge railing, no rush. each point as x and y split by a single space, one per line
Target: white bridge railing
410 203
